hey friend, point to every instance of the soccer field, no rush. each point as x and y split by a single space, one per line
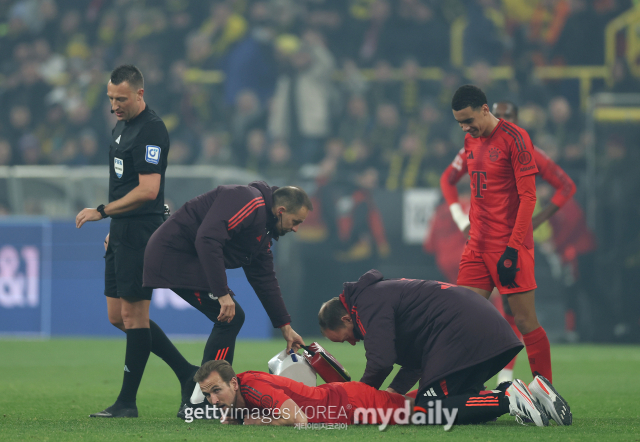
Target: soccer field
48 389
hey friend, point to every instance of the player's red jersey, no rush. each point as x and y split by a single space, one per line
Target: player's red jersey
547 168
494 164
554 175
334 403
328 403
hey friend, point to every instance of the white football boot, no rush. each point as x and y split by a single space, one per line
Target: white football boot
523 406
550 401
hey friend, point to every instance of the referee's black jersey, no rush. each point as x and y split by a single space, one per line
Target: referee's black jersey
140 145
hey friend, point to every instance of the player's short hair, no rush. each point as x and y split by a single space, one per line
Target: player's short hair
130 74
468 96
331 313
509 103
292 198
222 367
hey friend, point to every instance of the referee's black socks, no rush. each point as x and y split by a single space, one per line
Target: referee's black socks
135 360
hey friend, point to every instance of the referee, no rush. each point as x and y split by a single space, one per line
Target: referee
137 164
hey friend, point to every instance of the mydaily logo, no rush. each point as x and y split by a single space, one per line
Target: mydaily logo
402 416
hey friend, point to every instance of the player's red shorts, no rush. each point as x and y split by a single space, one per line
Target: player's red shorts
480 270
365 396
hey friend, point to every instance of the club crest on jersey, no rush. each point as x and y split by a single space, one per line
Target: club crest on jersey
118 166
524 158
494 153
153 154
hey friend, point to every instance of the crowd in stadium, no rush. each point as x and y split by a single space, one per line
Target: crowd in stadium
281 103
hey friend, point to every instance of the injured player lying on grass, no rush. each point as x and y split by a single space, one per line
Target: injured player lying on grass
257 398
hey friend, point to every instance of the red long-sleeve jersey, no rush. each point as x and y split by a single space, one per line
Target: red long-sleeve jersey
502 168
547 169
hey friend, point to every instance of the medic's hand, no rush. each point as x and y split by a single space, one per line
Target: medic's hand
227 308
293 339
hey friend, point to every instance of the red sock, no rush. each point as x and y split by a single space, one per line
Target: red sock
539 353
412 393
512 322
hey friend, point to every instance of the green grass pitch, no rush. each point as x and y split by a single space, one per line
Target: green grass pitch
48 389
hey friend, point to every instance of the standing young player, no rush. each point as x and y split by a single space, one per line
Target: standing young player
548 171
499 253
137 164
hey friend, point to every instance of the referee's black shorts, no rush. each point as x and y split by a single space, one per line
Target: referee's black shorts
128 238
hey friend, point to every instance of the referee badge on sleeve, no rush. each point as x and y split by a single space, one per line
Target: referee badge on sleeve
153 154
118 166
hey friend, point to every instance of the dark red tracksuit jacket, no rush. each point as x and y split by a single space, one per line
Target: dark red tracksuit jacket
226 228
430 328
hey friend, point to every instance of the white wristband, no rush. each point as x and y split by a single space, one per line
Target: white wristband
459 217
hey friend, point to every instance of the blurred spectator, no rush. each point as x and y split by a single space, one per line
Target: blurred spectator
623 80
251 64
562 122
420 33
386 133
247 115
180 152
574 45
355 123
29 148
360 227
383 88
6 153
373 39
440 153
69 153
19 124
52 131
215 150
484 37
453 79
328 17
52 67
617 186
480 75
300 109
89 150
404 169
334 152
546 24
280 168
413 89
256 157
429 119
220 31
30 90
